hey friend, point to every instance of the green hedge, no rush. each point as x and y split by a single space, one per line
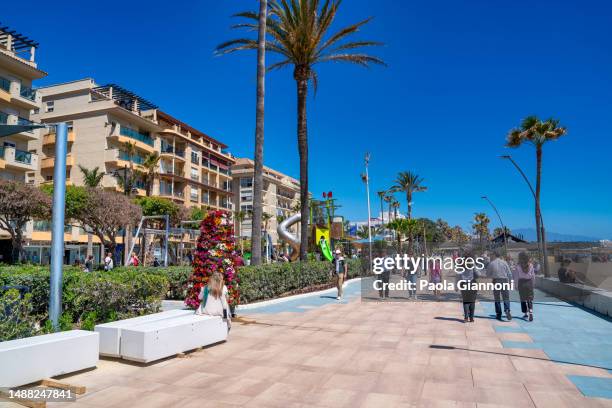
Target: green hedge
261 282
89 298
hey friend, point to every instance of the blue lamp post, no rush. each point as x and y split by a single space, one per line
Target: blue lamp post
59 196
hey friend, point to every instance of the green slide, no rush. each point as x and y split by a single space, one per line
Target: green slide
325 250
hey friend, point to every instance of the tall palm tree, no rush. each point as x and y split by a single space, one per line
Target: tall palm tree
536 132
396 205
127 180
150 164
389 199
299 34
409 183
91 178
239 216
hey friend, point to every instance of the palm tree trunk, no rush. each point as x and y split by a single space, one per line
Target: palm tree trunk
409 202
382 211
539 226
302 129
259 137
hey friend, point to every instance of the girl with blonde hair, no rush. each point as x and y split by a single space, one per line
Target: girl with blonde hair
213 299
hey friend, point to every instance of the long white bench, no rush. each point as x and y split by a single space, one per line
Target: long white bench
110 333
31 359
164 338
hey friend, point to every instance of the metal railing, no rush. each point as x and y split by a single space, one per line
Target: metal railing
133 134
25 122
22 156
134 159
27 93
5 84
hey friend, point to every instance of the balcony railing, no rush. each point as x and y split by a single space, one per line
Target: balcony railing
133 134
134 158
1 152
27 93
22 156
3 118
5 84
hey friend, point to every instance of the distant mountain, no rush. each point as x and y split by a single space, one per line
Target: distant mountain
529 234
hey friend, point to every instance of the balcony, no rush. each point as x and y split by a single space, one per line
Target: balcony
5 89
168 150
25 97
49 139
140 140
49 162
18 159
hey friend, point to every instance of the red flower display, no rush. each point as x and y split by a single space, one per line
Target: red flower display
215 252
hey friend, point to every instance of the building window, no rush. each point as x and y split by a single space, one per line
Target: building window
246 198
247 208
49 106
195 174
246 182
195 159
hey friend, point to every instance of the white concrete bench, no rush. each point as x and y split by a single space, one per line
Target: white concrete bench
32 359
110 333
164 338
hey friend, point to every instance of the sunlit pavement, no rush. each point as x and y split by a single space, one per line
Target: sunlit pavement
378 354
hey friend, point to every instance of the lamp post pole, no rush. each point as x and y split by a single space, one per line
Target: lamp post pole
367 180
500 221
542 245
57 226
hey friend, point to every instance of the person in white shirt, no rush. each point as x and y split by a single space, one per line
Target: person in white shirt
213 299
108 262
500 272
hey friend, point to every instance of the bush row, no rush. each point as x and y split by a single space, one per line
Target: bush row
90 298
263 281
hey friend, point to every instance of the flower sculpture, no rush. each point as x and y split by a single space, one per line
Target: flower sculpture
215 252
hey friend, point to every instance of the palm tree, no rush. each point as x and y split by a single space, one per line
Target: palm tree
150 165
91 178
396 205
389 199
382 195
299 34
409 183
481 226
536 132
127 180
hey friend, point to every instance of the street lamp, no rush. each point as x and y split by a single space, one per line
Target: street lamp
500 221
542 248
367 183
58 211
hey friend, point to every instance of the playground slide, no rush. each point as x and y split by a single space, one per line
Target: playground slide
325 250
290 238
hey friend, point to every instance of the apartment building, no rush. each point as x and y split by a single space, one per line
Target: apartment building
193 169
281 195
18 69
18 100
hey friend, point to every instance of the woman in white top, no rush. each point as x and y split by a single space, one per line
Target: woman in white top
213 299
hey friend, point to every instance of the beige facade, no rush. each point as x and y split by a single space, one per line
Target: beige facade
18 69
281 195
193 169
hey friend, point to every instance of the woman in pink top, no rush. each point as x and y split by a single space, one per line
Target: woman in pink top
434 273
524 274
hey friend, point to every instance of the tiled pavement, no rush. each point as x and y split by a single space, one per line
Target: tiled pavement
355 354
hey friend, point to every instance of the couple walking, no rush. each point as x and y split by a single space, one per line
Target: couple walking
523 274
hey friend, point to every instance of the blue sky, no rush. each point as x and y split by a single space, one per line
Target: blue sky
459 76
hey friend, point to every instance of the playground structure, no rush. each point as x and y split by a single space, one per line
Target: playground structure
324 228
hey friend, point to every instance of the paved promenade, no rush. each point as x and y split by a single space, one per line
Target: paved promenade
367 354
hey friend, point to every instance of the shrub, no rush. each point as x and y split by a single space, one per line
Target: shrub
95 297
15 319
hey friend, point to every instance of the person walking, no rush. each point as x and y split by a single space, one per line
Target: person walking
340 271
89 264
525 276
468 294
435 274
499 271
213 299
108 262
